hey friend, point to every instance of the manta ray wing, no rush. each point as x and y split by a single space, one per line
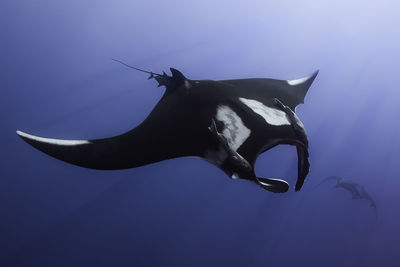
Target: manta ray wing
291 92
159 137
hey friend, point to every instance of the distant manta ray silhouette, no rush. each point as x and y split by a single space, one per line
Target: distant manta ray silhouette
226 122
357 191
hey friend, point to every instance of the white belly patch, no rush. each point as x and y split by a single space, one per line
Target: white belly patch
272 116
234 131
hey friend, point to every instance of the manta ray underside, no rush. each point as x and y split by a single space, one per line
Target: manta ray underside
227 122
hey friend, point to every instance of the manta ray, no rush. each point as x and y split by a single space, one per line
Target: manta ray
357 191
226 122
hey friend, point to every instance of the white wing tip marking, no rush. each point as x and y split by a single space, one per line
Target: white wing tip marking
60 142
298 81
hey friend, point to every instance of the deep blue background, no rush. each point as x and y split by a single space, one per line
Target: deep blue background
58 80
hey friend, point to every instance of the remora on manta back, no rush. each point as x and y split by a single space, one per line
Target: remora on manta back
226 122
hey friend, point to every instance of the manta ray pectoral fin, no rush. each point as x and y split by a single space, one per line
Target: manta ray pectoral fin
118 152
93 154
301 86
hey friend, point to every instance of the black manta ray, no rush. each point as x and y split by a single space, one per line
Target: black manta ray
357 191
227 122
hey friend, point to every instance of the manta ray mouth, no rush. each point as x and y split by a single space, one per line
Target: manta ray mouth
303 166
301 143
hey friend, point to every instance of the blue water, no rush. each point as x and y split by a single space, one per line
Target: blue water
58 80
